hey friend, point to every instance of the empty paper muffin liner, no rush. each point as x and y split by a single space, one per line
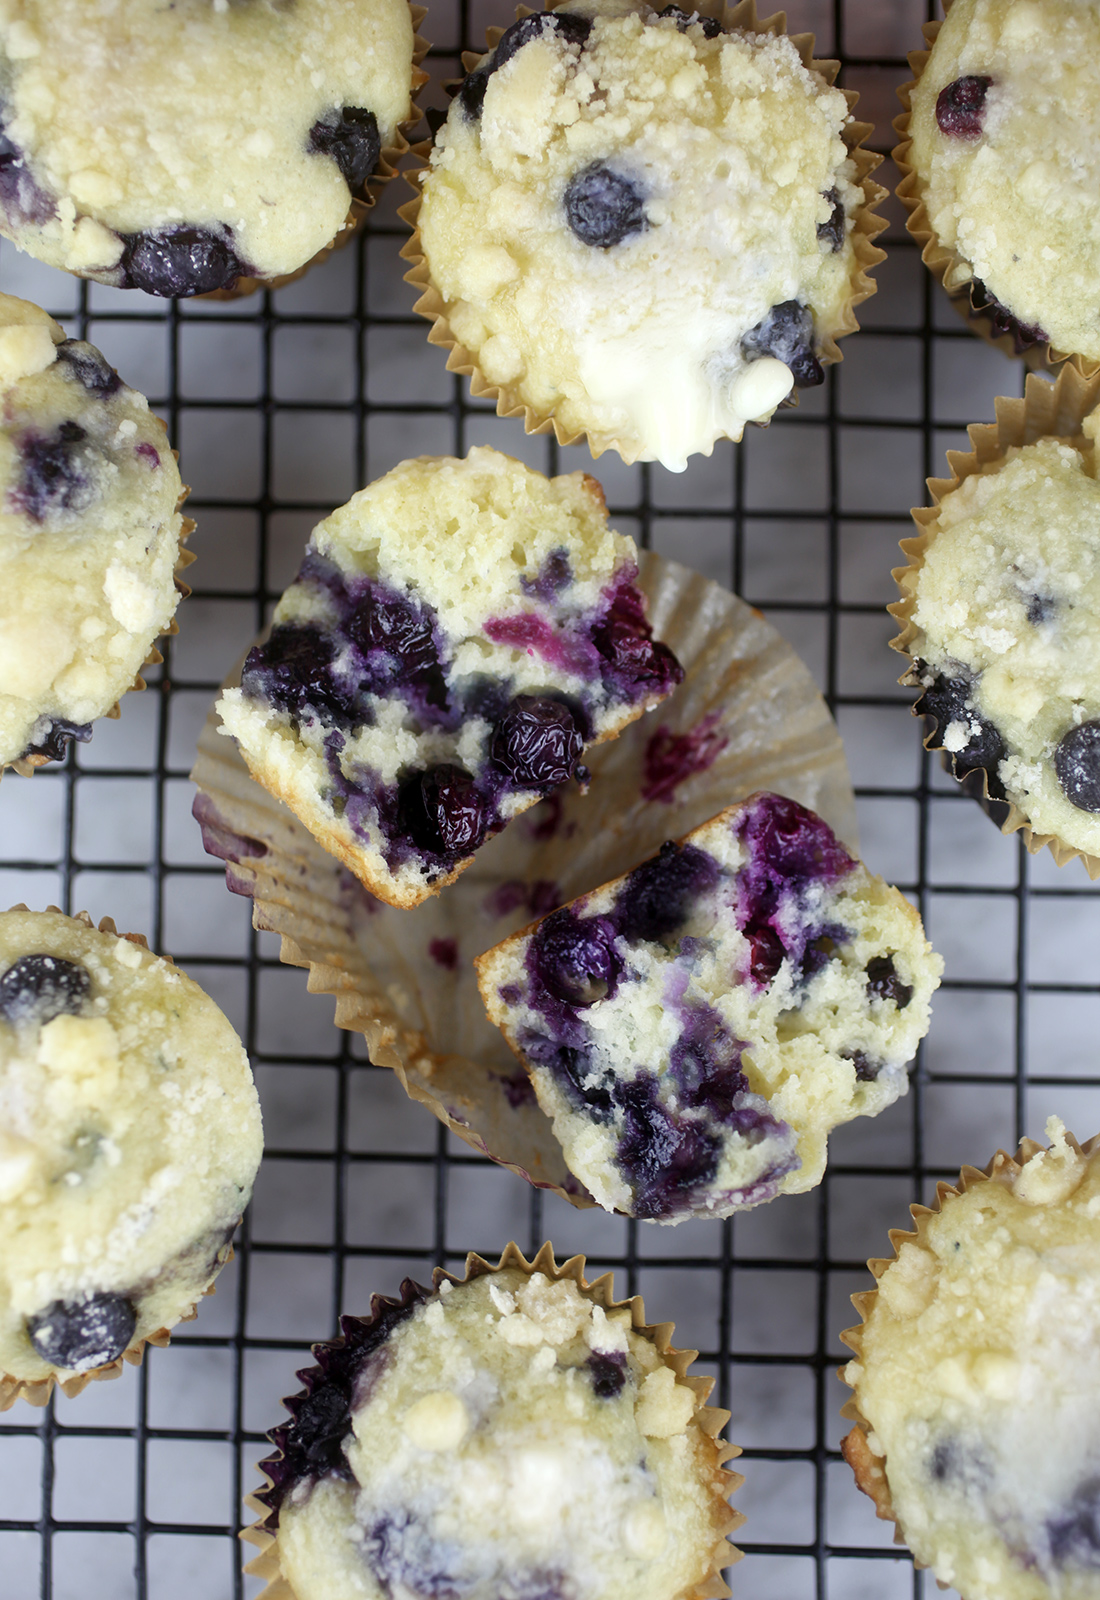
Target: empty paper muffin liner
943 261
746 717
866 228
707 1421
388 163
25 765
1046 410
869 1468
37 1391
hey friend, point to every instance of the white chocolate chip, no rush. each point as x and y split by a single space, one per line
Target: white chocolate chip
439 1421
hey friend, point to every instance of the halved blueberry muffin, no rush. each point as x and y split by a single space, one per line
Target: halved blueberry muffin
90 536
129 1141
977 1378
519 1434
1000 168
698 1027
180 148
457 634
643 228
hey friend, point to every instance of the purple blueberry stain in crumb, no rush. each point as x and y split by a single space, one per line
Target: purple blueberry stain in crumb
37 988
1077 765
1002 321
350 136
666 1159
444 952
148 452
537 742
405 1557
1075 1534
296 672
607 1371
1040 608
179 262
960 107
788 849
51 737
883 982
537 636
311 1444
54 475
553 576
21 198
604 207
786 332
510 993
89 368
83 1333
670 759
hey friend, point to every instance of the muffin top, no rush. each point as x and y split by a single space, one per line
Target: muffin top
129 1139
89 534
641 225
1006 146
979 1376
1007 607
506 1437
173 148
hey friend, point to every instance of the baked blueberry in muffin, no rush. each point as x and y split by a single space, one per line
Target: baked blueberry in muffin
1004 126
179 148
1002 608
517 1434
458 633
977 1378
697 1028
642 227
129 1139
89 536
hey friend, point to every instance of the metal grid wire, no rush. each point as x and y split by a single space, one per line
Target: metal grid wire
282 405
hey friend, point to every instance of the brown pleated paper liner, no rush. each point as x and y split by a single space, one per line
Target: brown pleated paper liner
869 1469
26 765
866 229
945 263
1047 410
37 1391
707 1420
747 716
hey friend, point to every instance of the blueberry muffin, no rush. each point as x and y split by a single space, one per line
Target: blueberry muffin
180 148
642 227
977 1378
1002 613
129 1139
1001 167
457 634
90 536
697 1028
517 1435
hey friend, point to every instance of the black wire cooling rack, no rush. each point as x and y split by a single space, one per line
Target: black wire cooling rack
282 405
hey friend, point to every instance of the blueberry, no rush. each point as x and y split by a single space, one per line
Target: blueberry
536 742
637 663
397 629
944 1461
38 988
663 1158
406 1558
54 472
472 91
705 1062
554 575
883 982
1077 763
789 845
602 207
787 333
710 25
179 263
1075 1536
867 1069
20 197
54 735
585 1083
658 897
574 29
960 107
79 1334
293 670
951 700
442 812
766 951
574 958
350 137
608 1373
832 232
1002 320
89 367
1040 607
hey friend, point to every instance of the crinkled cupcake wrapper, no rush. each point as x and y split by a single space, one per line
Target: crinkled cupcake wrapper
1046 410
25 765
707 1420
510 403
869 1469
945 263
747 716
37 1391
